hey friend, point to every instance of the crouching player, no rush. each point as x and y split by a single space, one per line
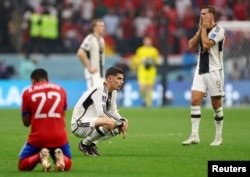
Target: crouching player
95 115
43 108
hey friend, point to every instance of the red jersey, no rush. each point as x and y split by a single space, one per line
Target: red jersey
46 103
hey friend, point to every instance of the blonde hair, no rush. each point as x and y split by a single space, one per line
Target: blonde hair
94 23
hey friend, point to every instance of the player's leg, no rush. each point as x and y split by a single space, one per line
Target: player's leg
151 79
97 79
62 158
143 93
215 88
94 80
148 96
102 127
218 120
30 156
109 135
197 95
82 128
44 157
142 85
195 115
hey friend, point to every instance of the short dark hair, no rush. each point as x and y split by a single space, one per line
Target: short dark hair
39 74
113 71
211 9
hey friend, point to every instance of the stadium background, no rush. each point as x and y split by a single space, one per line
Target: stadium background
171 23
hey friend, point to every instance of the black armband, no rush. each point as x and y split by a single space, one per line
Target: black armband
119 123
123 119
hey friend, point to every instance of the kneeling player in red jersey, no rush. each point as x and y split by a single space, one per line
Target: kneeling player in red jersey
43 109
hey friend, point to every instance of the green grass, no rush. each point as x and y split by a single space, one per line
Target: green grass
152 147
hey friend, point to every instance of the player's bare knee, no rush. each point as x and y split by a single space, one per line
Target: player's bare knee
196 101
109 124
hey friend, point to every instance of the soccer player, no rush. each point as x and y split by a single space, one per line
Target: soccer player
91 53
145 60
95 115
209 76
43 108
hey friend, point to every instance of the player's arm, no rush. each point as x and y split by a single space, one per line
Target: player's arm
100 106
114 113
206 42
194 41
26 118
85 61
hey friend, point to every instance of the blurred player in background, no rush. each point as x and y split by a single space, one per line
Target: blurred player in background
145 61
91 53
209 74
43 108
95 116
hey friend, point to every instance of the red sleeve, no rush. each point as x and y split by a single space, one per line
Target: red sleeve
25 103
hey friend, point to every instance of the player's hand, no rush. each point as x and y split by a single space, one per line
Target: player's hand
124 129
200 22
205 23
92 70
123 133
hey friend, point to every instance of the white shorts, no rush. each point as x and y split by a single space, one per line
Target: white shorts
211 83
84 126
93 79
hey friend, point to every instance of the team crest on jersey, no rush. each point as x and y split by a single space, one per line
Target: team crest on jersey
213 36
104 98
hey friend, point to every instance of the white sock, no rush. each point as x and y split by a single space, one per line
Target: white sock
195 119
218 120
111 134
95 135
195 125
218 127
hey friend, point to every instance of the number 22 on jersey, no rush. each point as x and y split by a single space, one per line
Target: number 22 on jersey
45 98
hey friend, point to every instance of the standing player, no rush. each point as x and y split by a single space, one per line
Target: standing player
43 108
95 116
209 76
146 59
91 53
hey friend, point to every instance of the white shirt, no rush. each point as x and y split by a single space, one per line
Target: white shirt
93 103
95 53
212 59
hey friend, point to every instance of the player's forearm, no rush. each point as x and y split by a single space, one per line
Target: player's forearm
26 120
206 43
194 41
82 56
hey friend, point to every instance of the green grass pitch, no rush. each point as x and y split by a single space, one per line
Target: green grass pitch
152 147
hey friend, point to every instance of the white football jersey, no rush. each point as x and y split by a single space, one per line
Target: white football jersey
212 59
94 48
96 102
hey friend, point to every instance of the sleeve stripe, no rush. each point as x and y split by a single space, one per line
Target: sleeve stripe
108 114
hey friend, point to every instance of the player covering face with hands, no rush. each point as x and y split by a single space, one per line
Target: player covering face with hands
43 109
95 116
209 74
